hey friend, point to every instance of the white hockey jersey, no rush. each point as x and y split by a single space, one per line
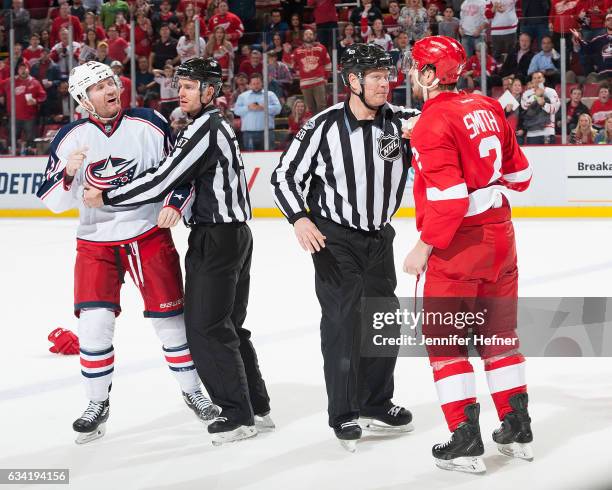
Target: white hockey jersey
138 140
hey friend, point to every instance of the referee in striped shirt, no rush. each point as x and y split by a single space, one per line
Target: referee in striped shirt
218 260
357 162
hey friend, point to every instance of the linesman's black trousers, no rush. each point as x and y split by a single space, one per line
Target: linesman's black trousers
355 385
217 266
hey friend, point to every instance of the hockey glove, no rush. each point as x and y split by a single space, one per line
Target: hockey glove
64 342
327 267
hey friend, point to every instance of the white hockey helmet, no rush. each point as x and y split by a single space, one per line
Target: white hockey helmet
84 76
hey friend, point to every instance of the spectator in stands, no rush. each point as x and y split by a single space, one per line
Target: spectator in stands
518 60
92 6
312 64
564 19
163 16
126 84
109 9
167 91
534 20
45 39
38 10
241 85
64 20
504 22
253 64
391 20
190 15
540 104
250 107
143 35
221 49
575 108
604 137
602 107
326 20
34 51
89 47
295 33
276 26
29 93
348 37
298 117
164 49
449 24
144 79
78 10
367 10
516 90
413 19
583 133
547 61
471 76
123 28
433 19
376 34
472 24
118 48
229 21
187 48
21 22
102 53
277 45
60 53
46 72
600 48
90 23
293 7
56 109
279 76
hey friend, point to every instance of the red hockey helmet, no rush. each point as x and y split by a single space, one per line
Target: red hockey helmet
444 53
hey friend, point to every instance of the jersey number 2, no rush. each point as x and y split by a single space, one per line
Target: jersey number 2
488 144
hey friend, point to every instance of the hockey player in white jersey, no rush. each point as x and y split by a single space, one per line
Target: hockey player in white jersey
105 151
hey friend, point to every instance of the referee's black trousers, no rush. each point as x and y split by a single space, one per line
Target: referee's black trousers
355 385
217 266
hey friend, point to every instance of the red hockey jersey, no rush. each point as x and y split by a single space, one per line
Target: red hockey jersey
465 156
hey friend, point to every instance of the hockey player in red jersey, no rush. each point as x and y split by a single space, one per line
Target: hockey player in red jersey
107 150
466 158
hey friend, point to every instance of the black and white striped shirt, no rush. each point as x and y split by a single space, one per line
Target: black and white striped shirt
206 153
357 169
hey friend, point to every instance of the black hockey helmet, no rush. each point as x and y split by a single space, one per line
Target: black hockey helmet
358 58
205 70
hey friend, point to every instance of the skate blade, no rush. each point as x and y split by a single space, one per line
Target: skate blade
466 464
242 432
85 437
350 446
264 424
374 425
516 450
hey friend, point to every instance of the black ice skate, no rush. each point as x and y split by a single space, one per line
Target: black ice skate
264 423
463 450
224 431
514 436
348 433
201 406
394 419
92 424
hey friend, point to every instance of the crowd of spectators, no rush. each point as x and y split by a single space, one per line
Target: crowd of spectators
522 63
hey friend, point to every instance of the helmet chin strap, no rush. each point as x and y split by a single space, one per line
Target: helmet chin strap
426 88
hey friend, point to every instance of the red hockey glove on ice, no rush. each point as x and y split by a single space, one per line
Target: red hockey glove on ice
64 342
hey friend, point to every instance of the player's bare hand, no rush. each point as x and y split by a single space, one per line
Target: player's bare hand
308 235
416 261
75 160
408 126
168 217
92 197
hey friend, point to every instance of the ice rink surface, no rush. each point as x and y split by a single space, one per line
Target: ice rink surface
154 442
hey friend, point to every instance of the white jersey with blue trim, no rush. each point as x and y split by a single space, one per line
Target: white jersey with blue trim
137 140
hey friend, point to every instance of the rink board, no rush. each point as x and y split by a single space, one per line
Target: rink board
569 181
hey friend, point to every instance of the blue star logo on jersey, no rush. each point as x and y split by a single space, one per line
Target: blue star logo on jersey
110 172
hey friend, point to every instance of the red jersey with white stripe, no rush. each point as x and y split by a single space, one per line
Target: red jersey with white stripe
138 140
465 156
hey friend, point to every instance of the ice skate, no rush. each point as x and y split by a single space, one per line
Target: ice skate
514 436
394 420
224 431
264 423
201 406
348 433
463 450
92 424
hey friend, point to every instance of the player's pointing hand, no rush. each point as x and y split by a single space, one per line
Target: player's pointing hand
75 160
92 197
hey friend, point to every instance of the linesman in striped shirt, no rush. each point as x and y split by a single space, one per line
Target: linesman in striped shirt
218 260
357 162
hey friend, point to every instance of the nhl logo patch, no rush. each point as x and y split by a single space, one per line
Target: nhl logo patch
389 148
